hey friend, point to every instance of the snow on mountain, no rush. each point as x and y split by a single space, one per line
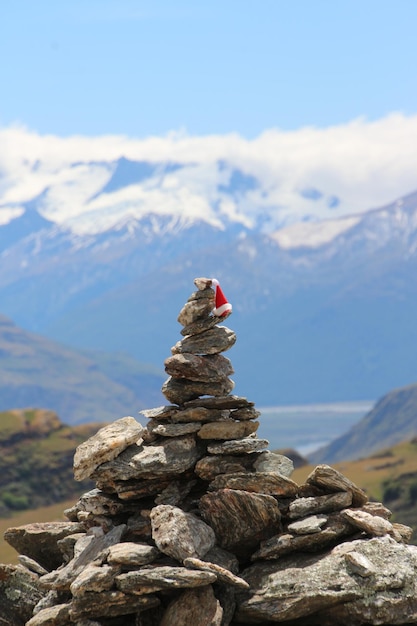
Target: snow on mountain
90 185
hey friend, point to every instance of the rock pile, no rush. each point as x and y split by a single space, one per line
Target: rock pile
192 518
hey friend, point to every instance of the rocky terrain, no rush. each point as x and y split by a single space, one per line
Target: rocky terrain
193 518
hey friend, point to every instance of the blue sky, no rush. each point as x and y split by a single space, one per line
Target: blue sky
94 67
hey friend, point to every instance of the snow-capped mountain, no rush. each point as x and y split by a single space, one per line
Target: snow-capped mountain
100 252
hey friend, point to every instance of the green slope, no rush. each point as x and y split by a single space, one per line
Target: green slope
36 456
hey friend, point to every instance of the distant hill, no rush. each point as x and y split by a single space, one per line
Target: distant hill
393 419
81 386
36 457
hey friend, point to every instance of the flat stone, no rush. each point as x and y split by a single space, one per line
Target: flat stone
110 604
132 554
225 402
319 504
256 482
308 525
39 541
286 542
223 575
210 368
173 430
196 309
201 325
240 519
94 578
194 606
240 446
213 341
163 577
373 525
402 532
57 615
202 283
171 456
181 390
227 430
272 462
96 548
245 413
160 413
200 414
105 445
180 534
331 480
209 467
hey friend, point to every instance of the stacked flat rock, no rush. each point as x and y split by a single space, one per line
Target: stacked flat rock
192 518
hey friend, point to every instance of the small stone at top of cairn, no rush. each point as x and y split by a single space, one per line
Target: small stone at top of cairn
197 367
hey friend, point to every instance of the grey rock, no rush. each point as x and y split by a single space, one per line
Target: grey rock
225 402
160 413
240 446
373 525
196 309
266 483
180 534
200 414
132 554
308 525
179 390
213 341
298 586
19 593
208 368
94 551
331 480
272 462
105 445
319 504
240 519
175 492
99 503
171 456
94 578
245 413
162 577
228 429
201 325
284 543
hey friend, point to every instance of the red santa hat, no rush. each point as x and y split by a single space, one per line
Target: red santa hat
222 306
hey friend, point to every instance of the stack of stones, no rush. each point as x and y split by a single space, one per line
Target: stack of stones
192 518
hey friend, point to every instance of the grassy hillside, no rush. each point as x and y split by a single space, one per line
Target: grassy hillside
79 386
392 420
36 456
388 476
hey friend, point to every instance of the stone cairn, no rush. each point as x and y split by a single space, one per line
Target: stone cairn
192 518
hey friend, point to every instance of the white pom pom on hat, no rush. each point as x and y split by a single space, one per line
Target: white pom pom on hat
222 306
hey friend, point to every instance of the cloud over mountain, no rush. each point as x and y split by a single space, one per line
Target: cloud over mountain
90 184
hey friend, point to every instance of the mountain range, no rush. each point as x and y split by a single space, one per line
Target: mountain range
100 256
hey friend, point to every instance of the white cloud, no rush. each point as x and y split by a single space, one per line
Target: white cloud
364 164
